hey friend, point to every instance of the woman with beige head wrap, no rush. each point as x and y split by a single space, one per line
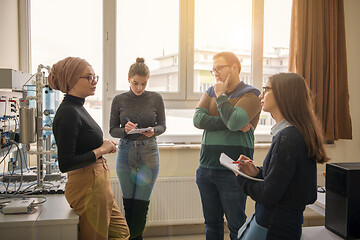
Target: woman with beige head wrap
80 153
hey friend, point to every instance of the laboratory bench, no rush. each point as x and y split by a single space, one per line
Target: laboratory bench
53 219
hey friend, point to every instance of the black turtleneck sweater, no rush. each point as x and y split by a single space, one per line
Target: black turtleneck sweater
147 110
76 134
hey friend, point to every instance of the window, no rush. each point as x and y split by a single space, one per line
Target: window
148 29
230 30
177 39
181 57
277 14
62 28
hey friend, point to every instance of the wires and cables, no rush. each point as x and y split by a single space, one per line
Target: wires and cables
4 157
4 165
5 199
25 190
13 170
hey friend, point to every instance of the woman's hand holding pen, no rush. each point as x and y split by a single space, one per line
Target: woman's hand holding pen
130 126
247 166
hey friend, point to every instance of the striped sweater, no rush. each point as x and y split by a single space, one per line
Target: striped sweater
222 118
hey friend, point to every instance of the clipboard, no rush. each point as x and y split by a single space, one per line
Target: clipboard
227 162
139 130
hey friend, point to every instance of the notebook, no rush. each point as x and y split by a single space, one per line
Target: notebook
227 162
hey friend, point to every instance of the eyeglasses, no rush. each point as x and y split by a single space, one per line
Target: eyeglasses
265 90
93 79
218 69
321 189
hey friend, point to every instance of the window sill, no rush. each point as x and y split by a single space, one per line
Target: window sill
169 146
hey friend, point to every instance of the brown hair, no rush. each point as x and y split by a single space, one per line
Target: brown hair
230 58
139 68
293 98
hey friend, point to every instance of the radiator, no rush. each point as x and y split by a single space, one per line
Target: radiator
174 200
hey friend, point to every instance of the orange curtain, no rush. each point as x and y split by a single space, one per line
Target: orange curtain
318 53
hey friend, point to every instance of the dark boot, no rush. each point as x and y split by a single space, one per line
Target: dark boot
128 207
140 210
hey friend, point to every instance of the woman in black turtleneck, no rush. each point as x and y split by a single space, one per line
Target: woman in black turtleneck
80 149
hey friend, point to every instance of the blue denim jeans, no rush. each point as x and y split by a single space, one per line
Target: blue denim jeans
137 167
220 194
251 230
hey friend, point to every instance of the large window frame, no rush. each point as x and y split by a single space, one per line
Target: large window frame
185 97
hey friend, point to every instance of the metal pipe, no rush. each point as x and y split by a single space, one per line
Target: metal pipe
47 148
52 151
40 84
39 162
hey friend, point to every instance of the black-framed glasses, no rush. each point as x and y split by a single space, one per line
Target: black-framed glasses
321 189
218 69
265 90
93 79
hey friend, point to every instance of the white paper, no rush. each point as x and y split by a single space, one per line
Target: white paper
227 162
139 130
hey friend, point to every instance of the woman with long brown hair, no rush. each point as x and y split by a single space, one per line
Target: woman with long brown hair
289 169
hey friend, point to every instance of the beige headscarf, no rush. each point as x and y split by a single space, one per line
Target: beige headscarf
65 73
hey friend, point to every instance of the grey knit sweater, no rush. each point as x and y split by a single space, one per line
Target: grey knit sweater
147 110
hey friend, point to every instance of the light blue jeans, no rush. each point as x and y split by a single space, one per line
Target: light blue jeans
251 230
137 167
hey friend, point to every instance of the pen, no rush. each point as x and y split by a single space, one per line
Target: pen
127 119
240 161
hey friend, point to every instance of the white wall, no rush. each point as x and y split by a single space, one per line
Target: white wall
9 34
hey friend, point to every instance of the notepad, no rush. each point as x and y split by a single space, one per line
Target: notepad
227 162
139 130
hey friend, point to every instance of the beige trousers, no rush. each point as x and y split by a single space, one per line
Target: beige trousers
88 191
